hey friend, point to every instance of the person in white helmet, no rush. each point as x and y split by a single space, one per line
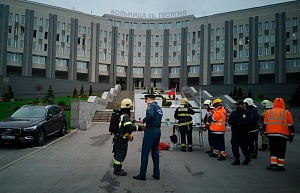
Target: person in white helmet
207 121
254 127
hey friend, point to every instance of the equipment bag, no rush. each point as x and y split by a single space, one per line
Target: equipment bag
173 138
114 121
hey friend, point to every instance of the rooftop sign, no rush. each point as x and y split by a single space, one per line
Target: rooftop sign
149 16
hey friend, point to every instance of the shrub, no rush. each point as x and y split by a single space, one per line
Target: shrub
91 90
62 104
74 93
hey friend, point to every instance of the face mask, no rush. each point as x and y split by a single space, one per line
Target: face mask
239 108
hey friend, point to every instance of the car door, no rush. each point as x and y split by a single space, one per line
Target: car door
51 121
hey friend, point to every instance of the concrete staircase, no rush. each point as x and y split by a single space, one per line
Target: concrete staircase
105 115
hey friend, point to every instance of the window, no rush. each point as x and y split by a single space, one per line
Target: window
260 51
41 21
126 25
260 39
295 21
241 29
246 53
8 42
260 26
14 57
234 29
266 25
287 49
16 17
217 67
266 64
241 66
174 70
247 28
273 25
287 22
272 38
178 24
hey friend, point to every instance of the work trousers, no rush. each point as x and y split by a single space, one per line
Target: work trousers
240 139
210 139
150 144
186 131
277 148
218 142
253 144
120 151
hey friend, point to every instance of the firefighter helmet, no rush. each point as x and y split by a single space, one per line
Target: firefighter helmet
207 102
217 102
265 103
249 101
126 103
184 101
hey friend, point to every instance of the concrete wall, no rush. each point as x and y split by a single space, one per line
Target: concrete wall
82 112
23 87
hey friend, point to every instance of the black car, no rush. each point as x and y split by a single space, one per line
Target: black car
33 123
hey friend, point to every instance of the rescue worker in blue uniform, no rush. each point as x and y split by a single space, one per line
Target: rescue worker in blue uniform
151 138
239 120
122 136
254 127
185 124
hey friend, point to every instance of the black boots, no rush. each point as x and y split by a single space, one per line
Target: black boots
236 162
246 161
120 173
221 158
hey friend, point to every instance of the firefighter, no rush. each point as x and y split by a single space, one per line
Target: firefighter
218 128
279 127
185 124
266 104
122 136
254 127
210 110
239 120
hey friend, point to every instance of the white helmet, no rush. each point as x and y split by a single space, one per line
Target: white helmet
249 101
208 102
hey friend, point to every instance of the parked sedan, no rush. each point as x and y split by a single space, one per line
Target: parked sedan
33 123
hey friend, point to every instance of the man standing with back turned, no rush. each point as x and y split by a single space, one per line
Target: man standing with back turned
151 138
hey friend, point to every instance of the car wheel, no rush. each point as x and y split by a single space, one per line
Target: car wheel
63 130
40 137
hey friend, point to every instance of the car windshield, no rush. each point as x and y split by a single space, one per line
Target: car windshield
29 112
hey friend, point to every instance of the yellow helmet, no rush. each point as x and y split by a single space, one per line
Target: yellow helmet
184 101
217 102
126 103
265 103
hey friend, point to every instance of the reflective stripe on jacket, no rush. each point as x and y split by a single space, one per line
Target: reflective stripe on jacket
219 119
183 114
277 122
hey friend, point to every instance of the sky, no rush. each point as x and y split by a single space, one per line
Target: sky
198 8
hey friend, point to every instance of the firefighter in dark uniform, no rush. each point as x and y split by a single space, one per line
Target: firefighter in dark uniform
151 138
185 124
210 110
239 120
122 136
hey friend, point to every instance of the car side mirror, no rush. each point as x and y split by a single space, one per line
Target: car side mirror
49 116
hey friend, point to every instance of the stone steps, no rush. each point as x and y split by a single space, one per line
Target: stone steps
104 116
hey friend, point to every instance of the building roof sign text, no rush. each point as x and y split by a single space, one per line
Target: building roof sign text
150 16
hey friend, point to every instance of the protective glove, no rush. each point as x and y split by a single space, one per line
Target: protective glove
129 136
291 138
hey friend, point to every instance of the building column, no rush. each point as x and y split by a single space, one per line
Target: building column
147 76
253 65
51 55
280 48
183 62
28 40
113 61
129 71
165 68
4 11
72 65
93 68
228 61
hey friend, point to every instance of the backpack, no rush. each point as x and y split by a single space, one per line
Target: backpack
114 121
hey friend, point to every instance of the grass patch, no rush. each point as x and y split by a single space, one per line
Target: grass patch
8 108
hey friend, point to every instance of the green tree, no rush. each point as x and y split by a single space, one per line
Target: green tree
240 93
235 93
230 94
91 90
10 93
249 94
75 93
49 98
295 98
38 88
81 92
151 90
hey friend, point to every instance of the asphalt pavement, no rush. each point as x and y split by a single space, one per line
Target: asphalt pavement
82 162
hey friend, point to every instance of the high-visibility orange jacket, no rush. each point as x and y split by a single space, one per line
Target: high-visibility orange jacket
279 121
219 119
